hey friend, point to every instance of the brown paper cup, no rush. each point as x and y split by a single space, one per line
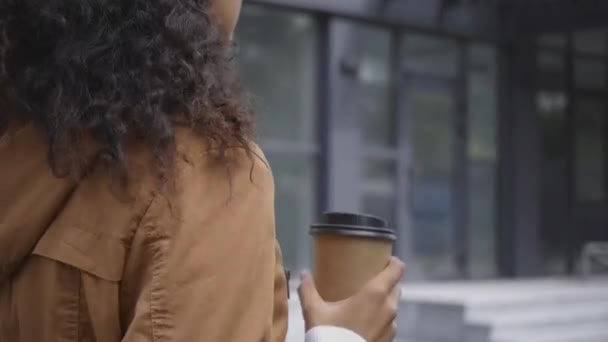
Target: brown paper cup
349 250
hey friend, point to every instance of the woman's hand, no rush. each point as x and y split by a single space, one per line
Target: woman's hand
370 313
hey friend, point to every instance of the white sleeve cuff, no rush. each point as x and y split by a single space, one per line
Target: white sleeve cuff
332 334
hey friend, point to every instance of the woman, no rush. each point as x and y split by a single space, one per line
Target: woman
134 206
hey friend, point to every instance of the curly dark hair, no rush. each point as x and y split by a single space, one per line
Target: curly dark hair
114 69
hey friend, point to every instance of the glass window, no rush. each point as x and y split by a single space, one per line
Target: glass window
379 193
590 150
433 132
590 73
430 56
482 157
549 61
482 100
372 46
553 40
551 69
482 218
375 80
551 105
591 41
430 67
277 59
432 139
295 193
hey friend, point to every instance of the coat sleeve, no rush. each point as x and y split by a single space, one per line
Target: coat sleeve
206 266
332 334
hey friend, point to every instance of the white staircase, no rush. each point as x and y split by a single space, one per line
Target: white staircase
546 310
551 310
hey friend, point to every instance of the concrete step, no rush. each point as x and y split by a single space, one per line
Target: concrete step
534 299
578 316
556 314
521 311
583 332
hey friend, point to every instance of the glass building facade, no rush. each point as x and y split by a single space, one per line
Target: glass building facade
417 126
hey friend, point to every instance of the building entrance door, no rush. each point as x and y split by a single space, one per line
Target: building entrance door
590 172
554 251
429 109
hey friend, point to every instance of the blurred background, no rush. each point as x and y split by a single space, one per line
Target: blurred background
477 128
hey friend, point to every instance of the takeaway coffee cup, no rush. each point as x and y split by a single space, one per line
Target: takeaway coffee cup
349 250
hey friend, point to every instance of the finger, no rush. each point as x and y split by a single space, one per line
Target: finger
388 279
387 315
308 291
388 333
392 305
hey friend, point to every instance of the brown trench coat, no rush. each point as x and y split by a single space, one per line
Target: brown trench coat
197 263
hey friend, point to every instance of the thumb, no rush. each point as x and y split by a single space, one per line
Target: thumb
308 291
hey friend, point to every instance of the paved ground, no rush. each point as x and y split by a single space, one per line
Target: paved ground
473 293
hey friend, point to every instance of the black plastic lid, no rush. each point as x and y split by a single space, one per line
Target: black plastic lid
352 219
352 224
